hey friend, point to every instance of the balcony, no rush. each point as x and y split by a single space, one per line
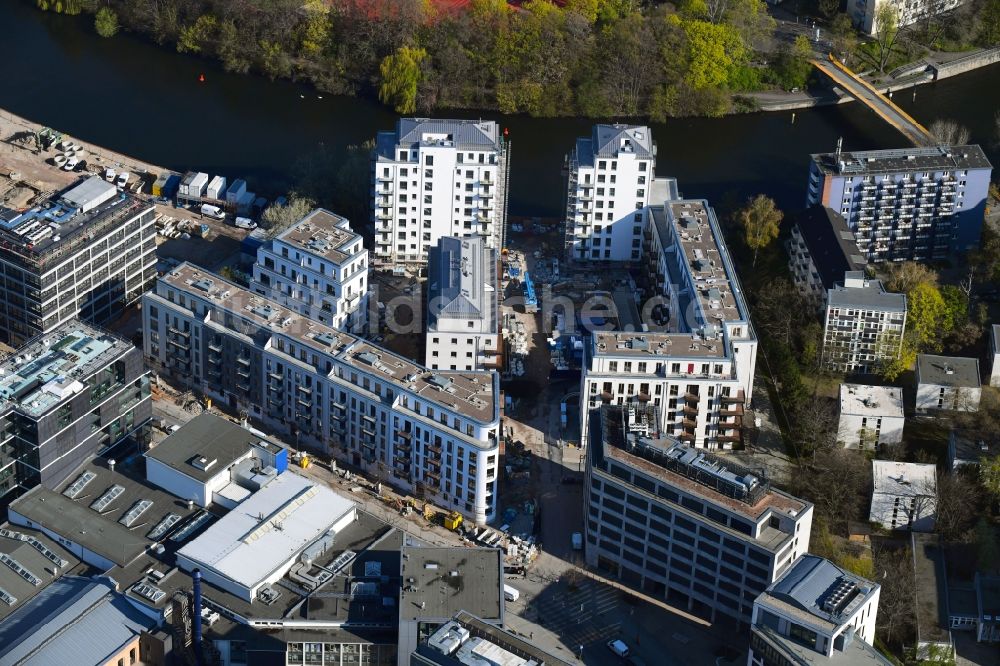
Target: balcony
383 216
688 409
215 347
739 398
686 436
243 361
692 397
732 410
689 423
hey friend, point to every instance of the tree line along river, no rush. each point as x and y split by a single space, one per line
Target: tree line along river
139 99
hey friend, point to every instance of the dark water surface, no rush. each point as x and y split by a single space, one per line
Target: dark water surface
139 99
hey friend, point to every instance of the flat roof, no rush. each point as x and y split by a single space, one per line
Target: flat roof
973 445
895 481
73 621
857 292
447 580
78 519
904 160
954 371
53 367
268 529
930 589
482 636
867 400
816 589
655 346
43 558
830 243
323 234
206 438
470 393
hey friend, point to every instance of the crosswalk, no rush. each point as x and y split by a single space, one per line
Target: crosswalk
586 615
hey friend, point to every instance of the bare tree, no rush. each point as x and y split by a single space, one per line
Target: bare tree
894 572
959 498
949 133
278 218
904 276
837 481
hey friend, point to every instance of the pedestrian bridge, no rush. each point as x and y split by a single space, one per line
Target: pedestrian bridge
867 94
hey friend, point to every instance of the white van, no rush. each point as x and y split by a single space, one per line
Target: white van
511 593
618 647
245 223
208 210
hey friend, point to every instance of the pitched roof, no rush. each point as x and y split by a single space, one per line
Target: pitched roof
480 134
609 140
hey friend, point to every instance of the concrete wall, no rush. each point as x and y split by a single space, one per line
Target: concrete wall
966 64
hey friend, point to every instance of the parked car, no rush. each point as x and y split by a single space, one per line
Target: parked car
619 647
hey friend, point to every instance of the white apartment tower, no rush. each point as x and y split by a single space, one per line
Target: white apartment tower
318 267
863 325
432 434
699 369
462 306
610 181
436 178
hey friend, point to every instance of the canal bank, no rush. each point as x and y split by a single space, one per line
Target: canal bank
135 98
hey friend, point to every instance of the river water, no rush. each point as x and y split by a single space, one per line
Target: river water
139 99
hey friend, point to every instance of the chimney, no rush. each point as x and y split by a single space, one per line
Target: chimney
111 464
196 613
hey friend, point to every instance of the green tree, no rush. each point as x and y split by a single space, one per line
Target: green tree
714 52
400 78
231 49
274 60
989 475
106 22
792 66
194 37
844 37
316 28
276 219
989 23
761 221
886 33
926 317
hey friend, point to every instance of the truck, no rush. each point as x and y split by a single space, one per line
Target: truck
208 210
511 593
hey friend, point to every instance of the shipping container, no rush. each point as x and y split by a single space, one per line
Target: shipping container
196 188
217 188
159 184
244 203
236 190
186 181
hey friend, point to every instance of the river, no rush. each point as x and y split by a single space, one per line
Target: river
139 99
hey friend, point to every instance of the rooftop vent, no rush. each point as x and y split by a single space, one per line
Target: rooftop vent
203 463
840 596
439 381
268 594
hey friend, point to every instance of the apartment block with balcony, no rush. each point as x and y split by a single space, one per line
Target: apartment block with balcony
65 396
610 182
436 178
462 306
914 204
863 325
816 613
88 252
433 434
821 250
317 267
695 529
864 13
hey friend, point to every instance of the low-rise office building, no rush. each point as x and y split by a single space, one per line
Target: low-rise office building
904 495
467 640
88 252
317 267
699 371
463 297
696 529
433 433
436 178
67 394
948 383
610 183
870 416
967 447
863 325
816 613
821 250
913 204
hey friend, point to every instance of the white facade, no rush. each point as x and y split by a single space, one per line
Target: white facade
870 416
863 325
904 495
700 372
462 306
436 178
816 613
947 383
610 182
318 267
995 355
864 13
434 434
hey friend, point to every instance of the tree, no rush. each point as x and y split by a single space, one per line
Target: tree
904 276
193 38
845 38
792 65
926 317
949 132
989 475
886 33
714 52
959 500
106 22
276 219
400 77
894 572
316 28
761 221
836 481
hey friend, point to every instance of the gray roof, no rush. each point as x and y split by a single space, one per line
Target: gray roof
905 160
35 552
930 588
871 297
830 242
464 134
449 580
101 533
205 436
953 371
811 582
462 282
610 140
478 628
73 621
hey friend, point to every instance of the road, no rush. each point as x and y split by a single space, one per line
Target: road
877 102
